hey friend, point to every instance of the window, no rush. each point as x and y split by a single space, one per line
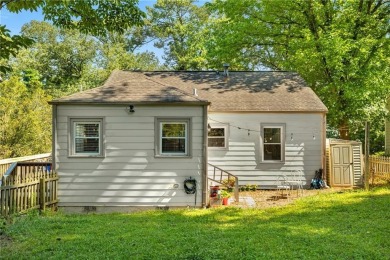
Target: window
273 143
86 137
173 137
217 137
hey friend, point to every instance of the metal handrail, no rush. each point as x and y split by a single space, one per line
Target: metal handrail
8 172
5 164
229 176
12 170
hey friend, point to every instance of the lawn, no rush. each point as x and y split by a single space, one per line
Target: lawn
347 225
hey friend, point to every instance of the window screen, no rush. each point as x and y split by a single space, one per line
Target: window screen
174 137
272 145
216 137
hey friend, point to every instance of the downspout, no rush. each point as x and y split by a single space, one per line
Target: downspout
205 158
54 137
323 148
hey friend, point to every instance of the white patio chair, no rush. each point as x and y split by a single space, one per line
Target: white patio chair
296 181
282 185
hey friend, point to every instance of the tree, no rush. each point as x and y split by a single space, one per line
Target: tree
341 48
179 27
68 61
10 45
94 17
62 57
117 51
25 117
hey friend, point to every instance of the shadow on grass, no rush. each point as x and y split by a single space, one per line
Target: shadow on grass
350 225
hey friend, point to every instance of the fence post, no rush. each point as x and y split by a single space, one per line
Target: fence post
373 162
42 193
366 156
236 188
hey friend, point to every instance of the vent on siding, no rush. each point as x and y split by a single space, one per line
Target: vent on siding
328 164
162 208
89 209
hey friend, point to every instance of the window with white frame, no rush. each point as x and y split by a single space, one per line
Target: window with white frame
273 143
173 137
86 137
217 137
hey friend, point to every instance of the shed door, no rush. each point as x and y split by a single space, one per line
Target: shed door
342 166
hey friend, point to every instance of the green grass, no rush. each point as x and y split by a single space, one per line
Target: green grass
348 225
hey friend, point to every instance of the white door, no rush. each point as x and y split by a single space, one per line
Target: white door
341 166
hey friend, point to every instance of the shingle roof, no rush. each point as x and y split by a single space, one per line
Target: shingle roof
241 91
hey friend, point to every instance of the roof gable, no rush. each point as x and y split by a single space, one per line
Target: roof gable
241 91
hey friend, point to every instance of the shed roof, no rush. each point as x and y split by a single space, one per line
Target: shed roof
241 91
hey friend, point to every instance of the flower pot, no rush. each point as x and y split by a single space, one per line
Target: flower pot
225 201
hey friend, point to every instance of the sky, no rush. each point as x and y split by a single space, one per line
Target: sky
14 22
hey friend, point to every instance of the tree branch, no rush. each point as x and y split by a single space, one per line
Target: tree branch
4 3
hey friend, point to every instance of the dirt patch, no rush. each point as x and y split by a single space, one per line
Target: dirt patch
5 241
275 198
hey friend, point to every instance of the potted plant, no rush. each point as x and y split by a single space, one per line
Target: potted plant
225 195
229 184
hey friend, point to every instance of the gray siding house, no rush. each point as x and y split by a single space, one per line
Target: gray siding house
134 141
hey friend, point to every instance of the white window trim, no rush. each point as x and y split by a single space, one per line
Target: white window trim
159 121
282 141
72 137
226 127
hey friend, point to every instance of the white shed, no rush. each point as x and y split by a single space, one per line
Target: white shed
344 163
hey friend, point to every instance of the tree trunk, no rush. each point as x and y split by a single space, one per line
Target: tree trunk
344 131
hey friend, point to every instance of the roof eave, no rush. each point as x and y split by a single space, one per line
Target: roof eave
268 111
121 103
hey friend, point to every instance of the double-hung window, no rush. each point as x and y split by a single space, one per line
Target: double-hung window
86 137
173 137
272 142
217 137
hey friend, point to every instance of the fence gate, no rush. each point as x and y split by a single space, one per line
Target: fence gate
342 166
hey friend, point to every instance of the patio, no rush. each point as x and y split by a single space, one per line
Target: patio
273 198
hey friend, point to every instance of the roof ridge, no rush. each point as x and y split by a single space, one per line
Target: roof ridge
82 92
113 74
177 89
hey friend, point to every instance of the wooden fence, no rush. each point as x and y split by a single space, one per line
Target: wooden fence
380 168
28 185
6 163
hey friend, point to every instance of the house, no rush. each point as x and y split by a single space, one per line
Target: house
144 138
387 131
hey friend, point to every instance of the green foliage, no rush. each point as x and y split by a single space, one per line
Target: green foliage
350 225
69 61
229 184
25 119
10 45
62 57
94 17
225 194
114 55
179 28
59 62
